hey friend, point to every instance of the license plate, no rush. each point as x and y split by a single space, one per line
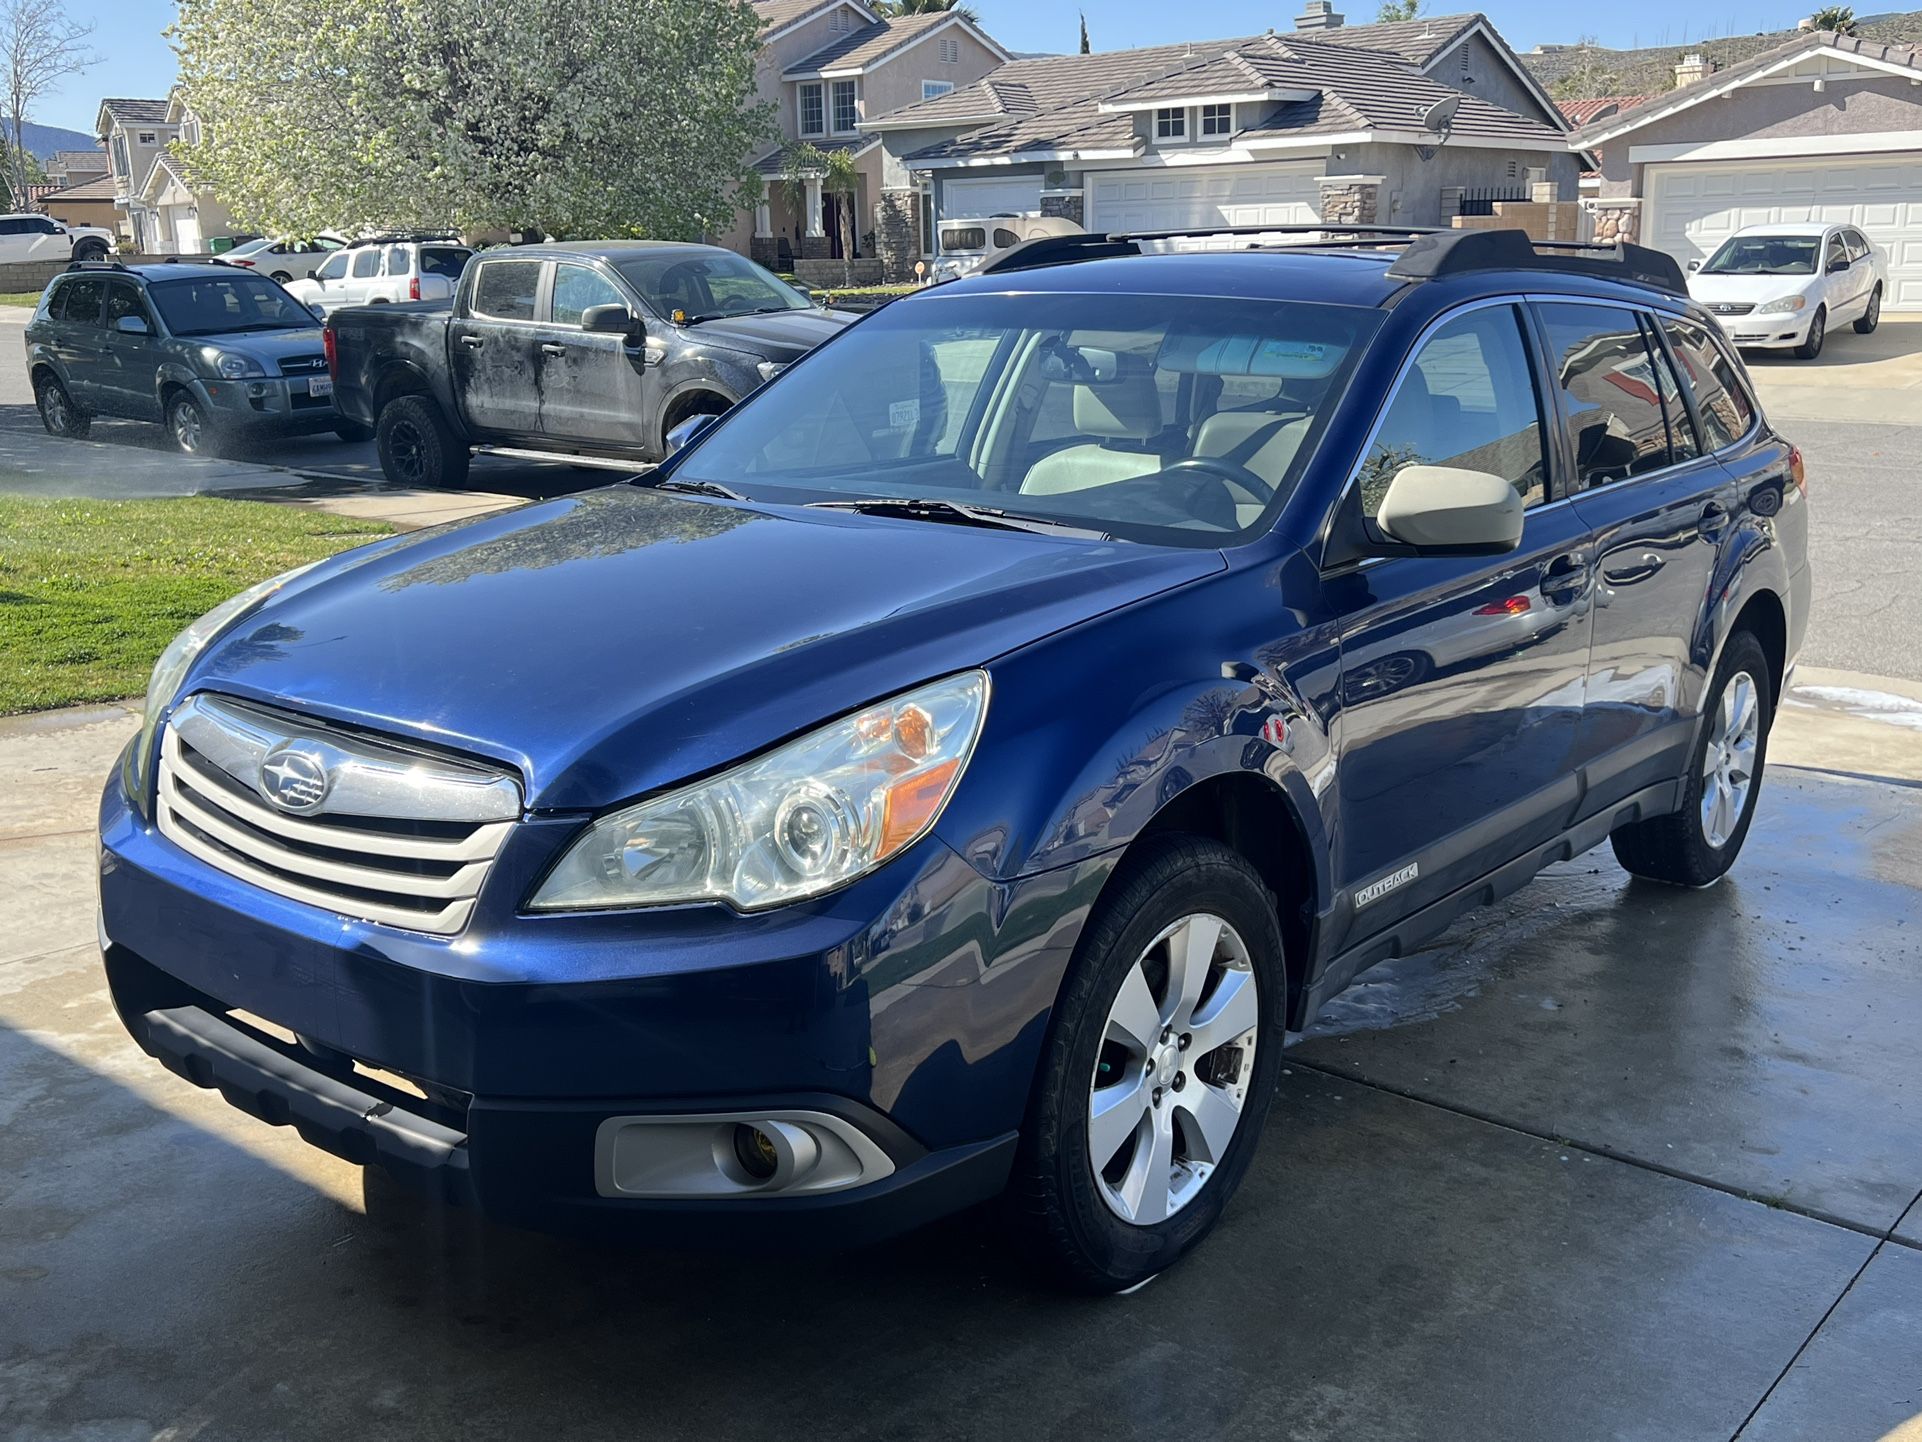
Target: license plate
320 386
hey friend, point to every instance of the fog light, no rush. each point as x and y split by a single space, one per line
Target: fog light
734 1155
257 390
754 1149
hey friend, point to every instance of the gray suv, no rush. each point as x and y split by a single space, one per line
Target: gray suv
212 352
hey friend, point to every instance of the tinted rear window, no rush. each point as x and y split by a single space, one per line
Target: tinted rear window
79 301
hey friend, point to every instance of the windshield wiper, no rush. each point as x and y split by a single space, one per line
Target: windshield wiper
935 508
699 488
733 314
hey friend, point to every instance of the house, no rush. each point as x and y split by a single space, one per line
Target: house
134 132
1586 112
1409 122
1820 127
90 202
182 214
827 66
67 168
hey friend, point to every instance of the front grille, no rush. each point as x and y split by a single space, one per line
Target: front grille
1731 307
303 365
379 832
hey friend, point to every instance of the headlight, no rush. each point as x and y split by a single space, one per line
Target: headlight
770 369
800 820
1783 306
171 669
234 367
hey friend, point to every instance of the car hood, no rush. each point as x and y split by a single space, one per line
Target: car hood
780 335
267 345
617 641
1745 289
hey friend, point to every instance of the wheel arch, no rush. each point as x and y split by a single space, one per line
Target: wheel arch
1764 617
400 378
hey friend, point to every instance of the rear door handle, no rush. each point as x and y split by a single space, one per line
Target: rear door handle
1565 577
472 342
1714 520
552 348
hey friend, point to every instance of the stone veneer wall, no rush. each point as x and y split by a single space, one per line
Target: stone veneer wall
1612 220
1063 205
897 234
1351 199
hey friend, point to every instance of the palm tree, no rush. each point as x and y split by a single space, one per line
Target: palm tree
841 178
928 7
1839 18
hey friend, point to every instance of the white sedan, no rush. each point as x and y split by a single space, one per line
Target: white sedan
284 258
1785 287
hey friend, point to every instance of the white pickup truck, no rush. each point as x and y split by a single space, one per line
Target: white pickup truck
28 235
384 268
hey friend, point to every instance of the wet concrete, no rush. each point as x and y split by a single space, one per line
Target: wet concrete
1588 1217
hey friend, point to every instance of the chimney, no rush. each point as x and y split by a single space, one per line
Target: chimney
1318 15
1693 68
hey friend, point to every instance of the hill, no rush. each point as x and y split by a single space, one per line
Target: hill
43 140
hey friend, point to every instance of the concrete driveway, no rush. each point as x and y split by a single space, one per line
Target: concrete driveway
1607 1161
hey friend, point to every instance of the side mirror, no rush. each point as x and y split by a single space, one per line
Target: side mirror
1693 266
610 320
1451 511
312 275
1838 264
133 325
686 431
802 291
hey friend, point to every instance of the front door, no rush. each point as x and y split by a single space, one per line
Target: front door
1658 504
1461 677
495 349
593 385
126 383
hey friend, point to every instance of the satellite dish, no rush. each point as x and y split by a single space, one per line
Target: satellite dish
1439 116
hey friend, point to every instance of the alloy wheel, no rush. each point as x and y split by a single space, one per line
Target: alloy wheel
409 454
1173 1069
55 409
1728 766
187 427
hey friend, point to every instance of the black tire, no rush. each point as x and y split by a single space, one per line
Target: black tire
354 431
417 447
1056 1197
1810 348
58 413
283 276
90 250
190 428
1872 317
1677 849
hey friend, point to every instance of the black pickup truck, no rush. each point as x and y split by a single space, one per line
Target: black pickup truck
591 351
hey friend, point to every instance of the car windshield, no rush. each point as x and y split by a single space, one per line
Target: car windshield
1139 417
704 285
221 305
1765 255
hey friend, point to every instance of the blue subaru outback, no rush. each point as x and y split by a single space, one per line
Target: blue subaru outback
953 773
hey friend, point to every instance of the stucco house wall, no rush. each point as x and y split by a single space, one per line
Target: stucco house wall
897 80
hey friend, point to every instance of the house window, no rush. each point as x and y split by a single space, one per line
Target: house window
845 114
932 88
950 52
1171 123
812 122
147 137
1217 119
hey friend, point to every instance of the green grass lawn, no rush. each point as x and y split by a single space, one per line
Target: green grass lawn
19 297
92 591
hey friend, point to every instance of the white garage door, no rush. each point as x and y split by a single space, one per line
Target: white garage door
1693 208
970 199
1181 197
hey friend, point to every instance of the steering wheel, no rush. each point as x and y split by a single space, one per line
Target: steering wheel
1224 470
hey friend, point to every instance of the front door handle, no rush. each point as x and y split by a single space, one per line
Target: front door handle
1714 521
552 348
1641 570
472 342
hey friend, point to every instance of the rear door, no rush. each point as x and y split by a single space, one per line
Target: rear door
78 343
1461 677
495 348
1658 504
594 386
129 363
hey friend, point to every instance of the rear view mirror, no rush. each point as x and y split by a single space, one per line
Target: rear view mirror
1451 511
609 320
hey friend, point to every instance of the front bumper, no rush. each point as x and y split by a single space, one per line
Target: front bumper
281 404
910 1005
1767 332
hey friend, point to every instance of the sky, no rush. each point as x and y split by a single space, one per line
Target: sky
135 60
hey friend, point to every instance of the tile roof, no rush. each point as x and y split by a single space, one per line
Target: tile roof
135 110
97 189
1357 88
776 13
1905 53
81 159
774 163
1583 112
870 43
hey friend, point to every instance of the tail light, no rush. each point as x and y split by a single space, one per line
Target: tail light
248 263
333 354
413 288
1796 471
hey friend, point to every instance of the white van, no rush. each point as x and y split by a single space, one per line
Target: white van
965 244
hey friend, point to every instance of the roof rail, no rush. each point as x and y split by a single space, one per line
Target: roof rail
1386 232
96 265
401 237
1045 250
1458 252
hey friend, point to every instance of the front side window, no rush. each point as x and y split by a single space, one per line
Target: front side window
1765 255
1217 119
1171 124
1115 414
505 289
225 305
1467 401
1838 253
845 114
812 121
576 288
704 284
124 300
1610 391
366 263
334 267
1710 374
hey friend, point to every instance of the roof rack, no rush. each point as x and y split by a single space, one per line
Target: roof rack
402 237
1427 253
96 265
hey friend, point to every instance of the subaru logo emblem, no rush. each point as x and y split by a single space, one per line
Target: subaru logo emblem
294 780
